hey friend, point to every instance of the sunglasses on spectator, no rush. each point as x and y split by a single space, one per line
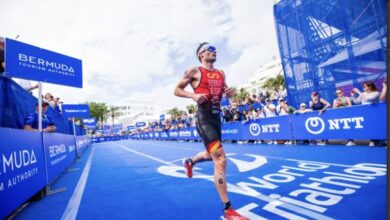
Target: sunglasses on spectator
338 93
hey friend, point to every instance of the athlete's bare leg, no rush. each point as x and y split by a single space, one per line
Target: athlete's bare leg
200 157
219 159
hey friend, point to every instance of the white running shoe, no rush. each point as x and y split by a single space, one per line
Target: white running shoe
350 143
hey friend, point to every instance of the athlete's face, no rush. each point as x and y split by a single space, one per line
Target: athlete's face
209 55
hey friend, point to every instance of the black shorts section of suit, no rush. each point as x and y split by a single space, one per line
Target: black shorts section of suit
208 126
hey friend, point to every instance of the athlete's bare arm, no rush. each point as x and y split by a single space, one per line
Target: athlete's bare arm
191 76
228 91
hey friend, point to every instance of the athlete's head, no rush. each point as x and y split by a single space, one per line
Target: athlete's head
206 52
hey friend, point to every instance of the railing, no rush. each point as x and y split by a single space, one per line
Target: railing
31 161
356 122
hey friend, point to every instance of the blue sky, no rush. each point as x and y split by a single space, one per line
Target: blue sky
138 50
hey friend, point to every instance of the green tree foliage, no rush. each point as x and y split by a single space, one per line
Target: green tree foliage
274 83
114 112
191 108
241 94
98 110
175 112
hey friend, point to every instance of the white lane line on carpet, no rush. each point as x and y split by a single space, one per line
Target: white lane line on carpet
72 208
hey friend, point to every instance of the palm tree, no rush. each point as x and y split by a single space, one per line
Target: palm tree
114 112
191 108
175 112
274 83
241 94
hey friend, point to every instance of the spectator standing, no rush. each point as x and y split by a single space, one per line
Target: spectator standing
369 96
227 117
2 67
341 100
269 109
260 113
283 109
302 109
27 85
31 121
318 104
255 99
384 91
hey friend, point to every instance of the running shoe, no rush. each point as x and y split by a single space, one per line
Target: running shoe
231 214
188 166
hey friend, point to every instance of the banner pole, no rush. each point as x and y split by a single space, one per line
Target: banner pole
39 106
74 128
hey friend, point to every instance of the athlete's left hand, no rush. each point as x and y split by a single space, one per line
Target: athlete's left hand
230 92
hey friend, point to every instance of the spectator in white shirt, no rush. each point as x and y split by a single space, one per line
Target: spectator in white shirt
282 108
26 85
384 91
269 109
302 109
369 96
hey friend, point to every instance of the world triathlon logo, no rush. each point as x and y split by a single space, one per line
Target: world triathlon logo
315 125
254 129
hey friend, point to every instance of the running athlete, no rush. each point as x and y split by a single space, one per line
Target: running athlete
209 85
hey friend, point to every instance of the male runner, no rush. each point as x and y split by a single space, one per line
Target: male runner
209 85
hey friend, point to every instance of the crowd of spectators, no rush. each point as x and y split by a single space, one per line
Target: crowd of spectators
31 120
266 105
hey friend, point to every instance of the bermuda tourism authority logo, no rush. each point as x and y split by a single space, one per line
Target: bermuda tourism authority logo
315 125
254 129
45 65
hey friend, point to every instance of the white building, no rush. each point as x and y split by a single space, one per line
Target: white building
133 111
264 72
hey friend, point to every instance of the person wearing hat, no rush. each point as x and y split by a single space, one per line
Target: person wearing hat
209 85
302 109
31 121
269 108
283 109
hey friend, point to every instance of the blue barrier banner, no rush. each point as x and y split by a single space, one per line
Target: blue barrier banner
89 122
185 134
117 127
140 124
75 111
267 128
130 127
174 134
162 117
22 168
356 122
165 135
82 142
33 63
60 152
232 131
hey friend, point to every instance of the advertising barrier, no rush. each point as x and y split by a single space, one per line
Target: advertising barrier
75 111
275 128
90 123
356 122
82 142
22 168
60 152
33 63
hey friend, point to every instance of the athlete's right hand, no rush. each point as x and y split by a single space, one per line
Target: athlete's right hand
200 98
